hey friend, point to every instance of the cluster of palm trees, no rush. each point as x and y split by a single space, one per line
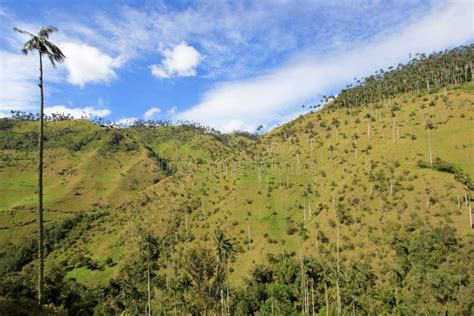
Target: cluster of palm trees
195 281
40 43
422 72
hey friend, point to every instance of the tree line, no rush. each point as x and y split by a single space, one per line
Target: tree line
421 73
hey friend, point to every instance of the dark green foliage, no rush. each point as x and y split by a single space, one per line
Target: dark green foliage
343 214
10 140
148 248
427 275
65 294
445 166
163 164
202 270
424 249
431 268
15 257
277 286
5 124
73 137
119 140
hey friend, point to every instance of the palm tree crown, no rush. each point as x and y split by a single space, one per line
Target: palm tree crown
224 247
40 43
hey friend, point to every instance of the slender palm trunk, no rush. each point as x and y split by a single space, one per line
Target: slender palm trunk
222 301
326 297
303 301
337 279
470 216
429 142
40 192
149 291
248 232
227 291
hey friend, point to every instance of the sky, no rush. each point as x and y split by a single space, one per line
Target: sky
231 65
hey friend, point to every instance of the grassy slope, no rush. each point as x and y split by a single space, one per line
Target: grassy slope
228 188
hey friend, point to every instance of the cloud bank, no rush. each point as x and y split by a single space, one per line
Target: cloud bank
245 104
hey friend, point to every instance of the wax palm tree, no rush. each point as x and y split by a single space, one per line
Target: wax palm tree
303 232
149 254
225 252
429 127
224 247
44 47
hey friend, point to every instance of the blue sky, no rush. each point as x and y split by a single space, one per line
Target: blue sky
230 65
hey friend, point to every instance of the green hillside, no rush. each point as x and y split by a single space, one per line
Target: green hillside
339 209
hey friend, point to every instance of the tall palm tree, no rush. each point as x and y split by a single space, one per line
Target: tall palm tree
303 232
429 127
44 47
149 253
225 252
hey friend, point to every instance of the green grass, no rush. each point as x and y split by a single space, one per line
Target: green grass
89 277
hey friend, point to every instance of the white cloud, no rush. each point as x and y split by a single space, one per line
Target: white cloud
88 64
77 112
181 61
150 113
270 97
19 82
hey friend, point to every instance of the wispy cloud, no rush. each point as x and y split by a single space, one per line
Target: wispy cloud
244 104
236 37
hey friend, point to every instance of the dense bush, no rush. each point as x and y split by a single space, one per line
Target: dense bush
445 166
